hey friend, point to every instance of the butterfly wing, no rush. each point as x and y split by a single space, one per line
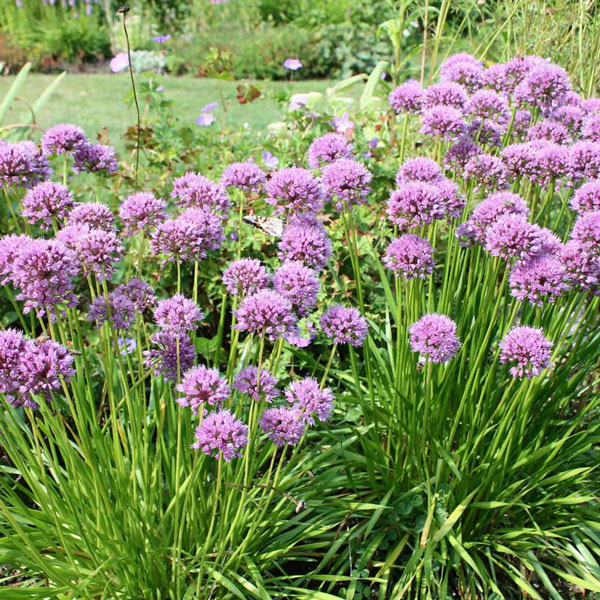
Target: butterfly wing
269 225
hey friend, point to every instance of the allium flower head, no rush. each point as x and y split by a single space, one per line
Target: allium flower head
587 231
138 292
407 97
527 350
95 158
95 215
44 271
582 269
520 159
344 325
283 425
517 69
419 169
466 73
63 139
487 104
195 190
585 160
177 314
22 165
446 93
246 176
245 276
541 278
221 435
347 182
544 86
590 130
487 172
265 313
10 247
306 397
414 204
12 348
549 130
434 337
306 242
294 190
141 212
120 312
162 359
485 132
299 284
410 256
552 162
494 77
587 197
202 386
460 153
45 201
441 121
513 236
570 117
248 382
328 148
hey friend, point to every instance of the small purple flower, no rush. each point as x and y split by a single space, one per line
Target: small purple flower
538 279
434 336
306 397
410 256
585 160
520 159
552 162
441 121
297 337
343 124
587 197
248 382
527 350
11 247
582 269
177 314
415 203
245 176
299 284
265 313
447 94
327 149
45 202
141 212
195 190
307 242
347 182
12 348
294 190
420 169
95 215
119 62
344 325
460 153
138 292
202 386
161 39
120 312
292 64
126 346
487 172
245 276
22 164
544 86
513 236
271 162
549 130
466 73
407 97
283 425
221 435
95 158
205 120
63 139
163 359
570 117
587 232
487 104
485 132
590 129
209 107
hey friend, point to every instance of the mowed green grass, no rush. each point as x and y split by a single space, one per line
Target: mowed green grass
94 101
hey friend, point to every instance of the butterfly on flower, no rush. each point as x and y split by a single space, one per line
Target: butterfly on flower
269 225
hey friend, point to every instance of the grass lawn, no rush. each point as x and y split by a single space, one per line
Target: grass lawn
93 101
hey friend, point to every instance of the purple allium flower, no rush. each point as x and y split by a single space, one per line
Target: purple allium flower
22 165
407 97
484 132
582 269
63 139
119 62
445 93
95 158
414 204
248 382
552 162
141 212
270 161
45 201
347 182
590 130
44 271
299 284
306 397
544 86
343 124
344 325
163 359
296 338
466 73
587 232
245 176
521 123
202 386
95 215
294 190
161 39
138 292
12 349
570 117
590 106
205 119
520 159
177 314
283 425
221 435
307 242
585 160
443 121
120 312
265 313
434 336
513 236
410 256
487 104
10 248
245 276
44 366
194 190
419 169
516 69
452 200
96 249
538 279
587 197
327 149
494 77
549 130
126 346
189 236
292 64
487 172
460 153
527 350
456 59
